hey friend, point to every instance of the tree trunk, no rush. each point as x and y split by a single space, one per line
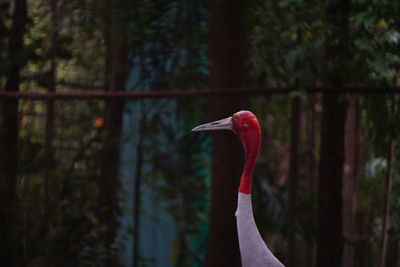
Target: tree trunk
313 127
9 241
138 202
295 130
49 135
386 212
330 241
109 182
388 188
49 124
349 183
293 179
227 69
392 257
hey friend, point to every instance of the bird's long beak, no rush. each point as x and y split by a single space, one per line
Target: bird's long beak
224 124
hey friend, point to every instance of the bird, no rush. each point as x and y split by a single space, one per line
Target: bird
253 250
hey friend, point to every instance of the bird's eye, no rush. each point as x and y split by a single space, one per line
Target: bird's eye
235 117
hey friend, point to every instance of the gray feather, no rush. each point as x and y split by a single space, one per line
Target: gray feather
253 250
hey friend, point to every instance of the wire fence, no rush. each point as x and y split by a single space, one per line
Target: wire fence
194 92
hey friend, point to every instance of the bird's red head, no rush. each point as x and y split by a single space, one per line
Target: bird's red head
245 125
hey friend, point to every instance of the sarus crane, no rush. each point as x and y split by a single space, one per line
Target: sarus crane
253 250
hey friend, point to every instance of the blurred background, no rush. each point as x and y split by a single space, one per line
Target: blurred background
90 180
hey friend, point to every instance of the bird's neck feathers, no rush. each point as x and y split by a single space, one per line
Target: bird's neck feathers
251 144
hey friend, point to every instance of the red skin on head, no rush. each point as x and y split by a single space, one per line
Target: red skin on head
246 126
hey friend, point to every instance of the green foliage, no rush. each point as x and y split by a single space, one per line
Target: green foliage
374 41
286 42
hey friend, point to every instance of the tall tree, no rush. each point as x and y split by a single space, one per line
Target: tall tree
116 75
350 176
9 247
313 126
330 241
227 70
388 188
49 124
293 179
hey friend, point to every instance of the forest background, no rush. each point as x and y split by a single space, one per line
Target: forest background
123 182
